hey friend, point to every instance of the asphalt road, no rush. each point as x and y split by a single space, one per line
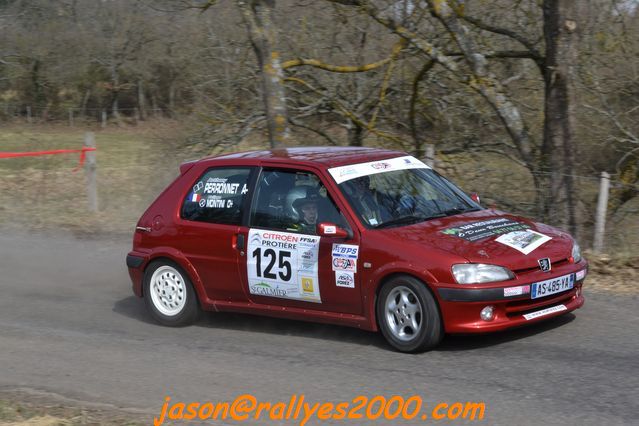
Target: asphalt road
70 327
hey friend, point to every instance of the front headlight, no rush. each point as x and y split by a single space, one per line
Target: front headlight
576 252
475 273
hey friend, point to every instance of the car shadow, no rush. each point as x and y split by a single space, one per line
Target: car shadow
133 307
287 327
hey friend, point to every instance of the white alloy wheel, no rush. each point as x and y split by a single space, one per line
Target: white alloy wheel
168 291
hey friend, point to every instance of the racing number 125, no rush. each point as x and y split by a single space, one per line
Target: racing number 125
284 265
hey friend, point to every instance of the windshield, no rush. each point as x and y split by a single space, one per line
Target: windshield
404 197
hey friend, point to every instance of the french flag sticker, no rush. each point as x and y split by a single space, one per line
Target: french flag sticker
196 197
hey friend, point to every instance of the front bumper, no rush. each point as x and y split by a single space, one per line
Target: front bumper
461 308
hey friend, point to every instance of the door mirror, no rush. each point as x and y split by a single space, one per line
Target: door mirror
328 229
475 197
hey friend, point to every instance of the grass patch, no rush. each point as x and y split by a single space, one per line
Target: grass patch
14 413
24 410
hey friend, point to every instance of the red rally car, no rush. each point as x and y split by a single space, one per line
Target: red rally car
368 238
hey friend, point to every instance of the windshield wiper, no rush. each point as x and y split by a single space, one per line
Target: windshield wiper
404 220
458 210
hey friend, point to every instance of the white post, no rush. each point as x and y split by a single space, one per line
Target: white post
28 114
104 118
600 218
91 171
71 118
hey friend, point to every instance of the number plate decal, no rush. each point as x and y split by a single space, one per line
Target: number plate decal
283 264
552 286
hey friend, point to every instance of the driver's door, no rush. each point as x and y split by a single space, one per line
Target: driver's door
284 267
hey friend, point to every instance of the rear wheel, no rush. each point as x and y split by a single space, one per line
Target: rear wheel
169 294
408 315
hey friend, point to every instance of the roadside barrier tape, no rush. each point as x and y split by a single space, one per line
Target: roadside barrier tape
82 152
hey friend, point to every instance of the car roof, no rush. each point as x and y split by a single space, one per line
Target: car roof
326 156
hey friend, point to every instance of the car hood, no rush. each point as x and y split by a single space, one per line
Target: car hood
467 235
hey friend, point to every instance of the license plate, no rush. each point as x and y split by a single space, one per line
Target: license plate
552 286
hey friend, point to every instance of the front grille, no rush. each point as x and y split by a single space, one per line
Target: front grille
555 263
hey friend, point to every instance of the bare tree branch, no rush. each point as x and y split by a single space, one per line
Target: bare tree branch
323 134
532 50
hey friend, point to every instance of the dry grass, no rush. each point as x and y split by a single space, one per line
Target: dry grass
13 413
134 165
618 274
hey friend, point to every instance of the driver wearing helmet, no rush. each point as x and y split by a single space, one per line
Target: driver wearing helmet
307 209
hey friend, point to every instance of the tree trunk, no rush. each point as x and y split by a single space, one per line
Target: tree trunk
258 17
561 32
172 98
115 109
141 100
355 134
154 105
85 101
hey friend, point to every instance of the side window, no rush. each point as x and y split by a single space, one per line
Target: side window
293 201
217 196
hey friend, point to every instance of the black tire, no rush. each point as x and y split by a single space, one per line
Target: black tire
185 312
397 325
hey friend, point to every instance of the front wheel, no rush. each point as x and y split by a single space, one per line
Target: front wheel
408 315
169 294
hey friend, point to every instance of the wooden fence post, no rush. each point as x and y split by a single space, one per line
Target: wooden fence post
71 118
91 172
104 118
600 218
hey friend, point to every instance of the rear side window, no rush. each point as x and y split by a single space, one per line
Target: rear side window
217 196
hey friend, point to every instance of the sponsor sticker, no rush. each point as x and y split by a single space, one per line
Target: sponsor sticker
544 312
345 250
344 264
381 166
344 257
345 279
330 229
476 231
283 264
307 285
516 291
580 275
352 171
525 241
